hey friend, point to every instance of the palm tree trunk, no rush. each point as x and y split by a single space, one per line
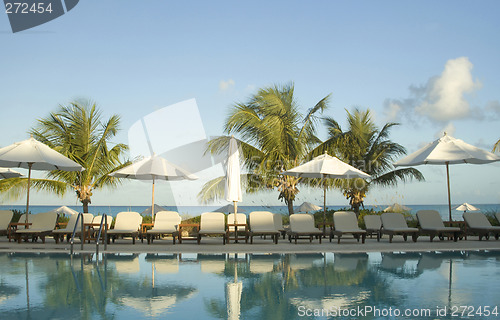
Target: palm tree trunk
290 207
85 206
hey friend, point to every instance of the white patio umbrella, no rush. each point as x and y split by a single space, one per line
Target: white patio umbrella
65 210
396 207
6 173
233 296
326 167
154 168
307 206
233 181
466 207
445 151
31 154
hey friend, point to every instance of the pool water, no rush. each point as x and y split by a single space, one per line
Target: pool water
430 285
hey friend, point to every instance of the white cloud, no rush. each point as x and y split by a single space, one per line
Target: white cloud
442 98
392 111
226 85
445 95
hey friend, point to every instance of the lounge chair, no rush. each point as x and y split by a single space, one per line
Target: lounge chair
212 224
346 222
373 224
430 222
478 223
5 218
395 224
278 224
96 222
59 234
242 219
262 224
20 224
166 222
126 224
302 226
497 215
42 224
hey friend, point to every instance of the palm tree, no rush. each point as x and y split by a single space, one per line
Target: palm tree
369 149
275 136
78 132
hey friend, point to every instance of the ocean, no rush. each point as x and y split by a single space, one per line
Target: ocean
192 211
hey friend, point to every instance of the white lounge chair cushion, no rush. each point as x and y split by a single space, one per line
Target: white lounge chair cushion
166 222
395 222
262 221
302 223
41 222
373 222
5 218
477 220
431 220
241 217
98 219
346 221
87 218
278 221
212 222
127 222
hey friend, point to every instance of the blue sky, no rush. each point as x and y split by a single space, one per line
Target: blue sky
431 66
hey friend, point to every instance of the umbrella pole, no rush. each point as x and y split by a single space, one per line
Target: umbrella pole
235 212
235 221
28 194
153 203
324 207
449 194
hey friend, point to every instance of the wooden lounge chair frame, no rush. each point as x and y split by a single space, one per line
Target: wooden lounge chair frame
431 223
262 224
346 222
395 224
302 227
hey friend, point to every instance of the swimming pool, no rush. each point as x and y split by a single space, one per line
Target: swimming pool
430 285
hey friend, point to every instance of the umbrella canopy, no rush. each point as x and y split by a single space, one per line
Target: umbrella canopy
396 207
233 292
326 166
6 173
31 154
65 210
154 168
157 209
466 207
233 182
307 206
445 151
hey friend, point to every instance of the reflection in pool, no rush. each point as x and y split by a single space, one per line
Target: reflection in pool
430 285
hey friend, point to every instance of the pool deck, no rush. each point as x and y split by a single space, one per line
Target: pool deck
214 245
